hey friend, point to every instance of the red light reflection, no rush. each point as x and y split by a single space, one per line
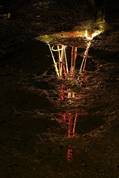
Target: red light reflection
69 155
68 118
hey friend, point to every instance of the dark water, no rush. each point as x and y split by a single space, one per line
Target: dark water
52 128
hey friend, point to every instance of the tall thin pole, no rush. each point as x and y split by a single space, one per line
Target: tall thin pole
66 63
75 122
83 64
55 63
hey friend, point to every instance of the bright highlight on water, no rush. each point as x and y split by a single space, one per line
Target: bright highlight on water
65 67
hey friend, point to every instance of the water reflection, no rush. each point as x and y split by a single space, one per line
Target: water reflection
64 63
70 67
67 118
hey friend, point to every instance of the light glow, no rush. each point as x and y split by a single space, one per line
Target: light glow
65 66
91 36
